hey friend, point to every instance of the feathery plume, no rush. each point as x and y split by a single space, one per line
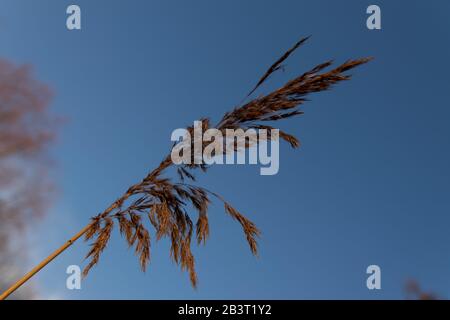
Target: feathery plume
166 201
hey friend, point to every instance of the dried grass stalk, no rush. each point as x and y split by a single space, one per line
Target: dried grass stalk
166 201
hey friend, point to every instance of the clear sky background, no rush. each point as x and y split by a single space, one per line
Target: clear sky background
370 184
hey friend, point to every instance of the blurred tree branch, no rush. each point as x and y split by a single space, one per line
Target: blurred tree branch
26 130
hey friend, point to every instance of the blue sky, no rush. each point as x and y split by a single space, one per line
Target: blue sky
370 184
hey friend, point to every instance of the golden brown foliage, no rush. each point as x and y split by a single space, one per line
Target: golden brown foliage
166 201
